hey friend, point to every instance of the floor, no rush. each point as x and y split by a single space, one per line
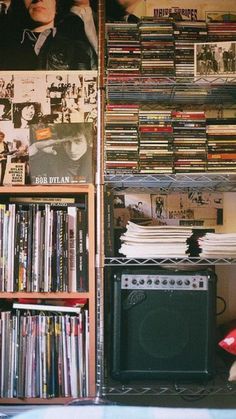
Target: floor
214 402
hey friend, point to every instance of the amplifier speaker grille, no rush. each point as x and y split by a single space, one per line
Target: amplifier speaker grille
164 333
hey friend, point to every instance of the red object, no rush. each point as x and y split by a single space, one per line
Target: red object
71 302
229 342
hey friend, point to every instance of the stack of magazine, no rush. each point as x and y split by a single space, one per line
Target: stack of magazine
154 241
214 245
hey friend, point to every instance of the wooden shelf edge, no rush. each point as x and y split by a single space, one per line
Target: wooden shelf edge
45 295
47 189
38 401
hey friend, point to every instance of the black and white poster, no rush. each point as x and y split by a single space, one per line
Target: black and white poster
196 208
48 35
215 59
39 99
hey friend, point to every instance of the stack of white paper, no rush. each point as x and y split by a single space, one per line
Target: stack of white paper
218 245
154 241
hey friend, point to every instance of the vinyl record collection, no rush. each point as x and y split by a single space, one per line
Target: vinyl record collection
44 354
43 248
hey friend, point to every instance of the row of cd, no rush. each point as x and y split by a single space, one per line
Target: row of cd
164 141
164 48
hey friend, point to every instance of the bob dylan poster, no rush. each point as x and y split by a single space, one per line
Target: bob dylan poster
41 99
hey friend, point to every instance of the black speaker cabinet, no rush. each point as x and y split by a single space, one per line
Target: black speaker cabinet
163 324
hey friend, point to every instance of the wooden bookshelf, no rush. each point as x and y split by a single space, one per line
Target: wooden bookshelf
62 190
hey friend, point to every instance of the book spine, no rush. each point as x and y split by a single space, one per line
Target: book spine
82 252
72 259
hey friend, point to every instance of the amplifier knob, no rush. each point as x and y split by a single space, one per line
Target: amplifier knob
164 282
172 282
187 282
149 282
141 281
180 282
134 281
157 281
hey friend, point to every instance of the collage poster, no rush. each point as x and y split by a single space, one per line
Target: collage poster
199 209
61 105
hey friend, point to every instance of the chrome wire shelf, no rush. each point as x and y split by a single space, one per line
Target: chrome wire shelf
150 89
150 79
212 388
216 385
191 261
224 182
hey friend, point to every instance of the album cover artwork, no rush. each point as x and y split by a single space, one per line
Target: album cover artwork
14 155
215 59
61 153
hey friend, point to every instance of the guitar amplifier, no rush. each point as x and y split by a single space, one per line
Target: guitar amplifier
163 324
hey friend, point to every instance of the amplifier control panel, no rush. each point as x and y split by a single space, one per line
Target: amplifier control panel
182 282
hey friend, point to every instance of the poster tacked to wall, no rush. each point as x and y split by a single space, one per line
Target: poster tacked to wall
58 102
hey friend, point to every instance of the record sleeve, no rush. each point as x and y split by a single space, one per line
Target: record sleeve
61 153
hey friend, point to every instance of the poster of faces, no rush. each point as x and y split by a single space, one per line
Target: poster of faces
48 35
